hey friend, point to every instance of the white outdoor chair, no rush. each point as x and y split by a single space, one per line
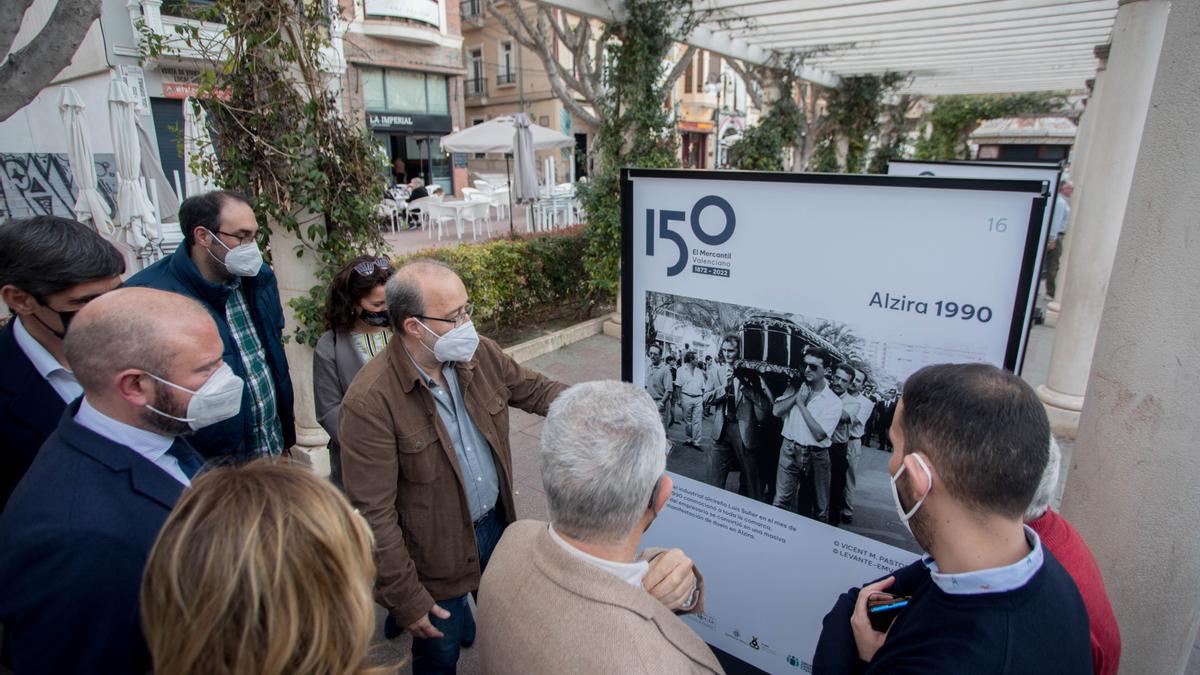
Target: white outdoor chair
479 212
438 215
419 206
387 211
484 186
500 202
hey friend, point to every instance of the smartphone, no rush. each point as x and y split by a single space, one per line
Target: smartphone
882 610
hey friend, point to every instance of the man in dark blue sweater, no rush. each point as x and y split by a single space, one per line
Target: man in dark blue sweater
969 449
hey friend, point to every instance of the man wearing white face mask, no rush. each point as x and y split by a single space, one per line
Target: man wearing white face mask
221 266
426 459
969 450
79 527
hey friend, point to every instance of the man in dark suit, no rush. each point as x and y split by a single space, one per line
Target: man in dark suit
80 524
50 267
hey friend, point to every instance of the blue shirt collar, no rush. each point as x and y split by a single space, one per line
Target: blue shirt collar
995 579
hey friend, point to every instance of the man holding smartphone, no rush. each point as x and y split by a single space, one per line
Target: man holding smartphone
969 450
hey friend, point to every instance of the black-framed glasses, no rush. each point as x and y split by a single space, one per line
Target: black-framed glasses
463 316
241 239
368 268
811 366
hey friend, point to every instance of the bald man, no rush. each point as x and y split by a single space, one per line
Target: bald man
79 526
426 459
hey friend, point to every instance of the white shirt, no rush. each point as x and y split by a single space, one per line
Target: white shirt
859 426
1062 211
48 367
148 444
826 409
995 579
694 383
631 573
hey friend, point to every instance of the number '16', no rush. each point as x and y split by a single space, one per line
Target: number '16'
665 218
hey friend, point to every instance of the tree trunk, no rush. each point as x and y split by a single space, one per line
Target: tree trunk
28 70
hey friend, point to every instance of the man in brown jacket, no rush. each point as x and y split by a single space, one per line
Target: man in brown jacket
571 596
425 458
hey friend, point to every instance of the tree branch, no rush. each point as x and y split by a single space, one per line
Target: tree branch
753 82
28 70
12 12
680 66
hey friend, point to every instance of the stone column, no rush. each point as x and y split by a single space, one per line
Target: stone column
1132 490
296 276
1083 141
1121 113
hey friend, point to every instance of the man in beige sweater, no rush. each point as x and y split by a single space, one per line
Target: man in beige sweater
574 596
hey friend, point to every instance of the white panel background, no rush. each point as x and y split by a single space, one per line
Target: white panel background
820 250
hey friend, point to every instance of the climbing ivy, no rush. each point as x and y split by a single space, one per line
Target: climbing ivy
955 117
279 136
853 109
761 147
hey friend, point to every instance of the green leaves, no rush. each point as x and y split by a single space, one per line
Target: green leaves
955 117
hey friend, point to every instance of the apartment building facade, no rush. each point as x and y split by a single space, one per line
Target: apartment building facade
711 108
503 78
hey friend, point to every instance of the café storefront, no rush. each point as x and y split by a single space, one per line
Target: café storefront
408 112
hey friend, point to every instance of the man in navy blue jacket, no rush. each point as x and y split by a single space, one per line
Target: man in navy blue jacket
50 267
221 266
969 450
80 525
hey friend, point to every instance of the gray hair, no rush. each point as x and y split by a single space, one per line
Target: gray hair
403 290
417 182
603 451
1048 485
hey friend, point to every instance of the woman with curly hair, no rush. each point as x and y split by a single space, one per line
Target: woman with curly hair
357 326
262 568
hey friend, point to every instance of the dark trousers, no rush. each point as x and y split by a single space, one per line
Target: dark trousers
439 656
1050 268
839 463
730 454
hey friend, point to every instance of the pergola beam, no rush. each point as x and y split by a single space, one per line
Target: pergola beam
1098 27
1090 35
954 25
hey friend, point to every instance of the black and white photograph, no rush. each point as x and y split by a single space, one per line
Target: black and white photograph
789 410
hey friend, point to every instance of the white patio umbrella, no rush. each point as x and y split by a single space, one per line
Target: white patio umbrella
90 207
136 224
499 135
196 143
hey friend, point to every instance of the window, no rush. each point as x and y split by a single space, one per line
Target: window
373 98
405 91
507 68
475 85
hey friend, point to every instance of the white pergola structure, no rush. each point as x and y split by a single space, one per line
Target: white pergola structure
948 46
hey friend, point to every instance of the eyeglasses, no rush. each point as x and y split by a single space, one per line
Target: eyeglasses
811 366
462 317
367 268
241 238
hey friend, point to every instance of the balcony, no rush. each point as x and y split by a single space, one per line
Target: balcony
476 87
506 79
472 10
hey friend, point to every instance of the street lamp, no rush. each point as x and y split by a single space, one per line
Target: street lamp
719 89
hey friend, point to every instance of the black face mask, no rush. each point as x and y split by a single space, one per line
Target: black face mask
377 319
64 317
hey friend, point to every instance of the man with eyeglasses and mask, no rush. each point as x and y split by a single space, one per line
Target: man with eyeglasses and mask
50 267
80 525
424 437
220 266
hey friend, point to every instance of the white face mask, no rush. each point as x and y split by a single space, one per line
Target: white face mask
217 400
457 345
243 260
905 517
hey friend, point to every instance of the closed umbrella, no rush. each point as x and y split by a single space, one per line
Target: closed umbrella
197 147
499 135
90 207
524 188
135 214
